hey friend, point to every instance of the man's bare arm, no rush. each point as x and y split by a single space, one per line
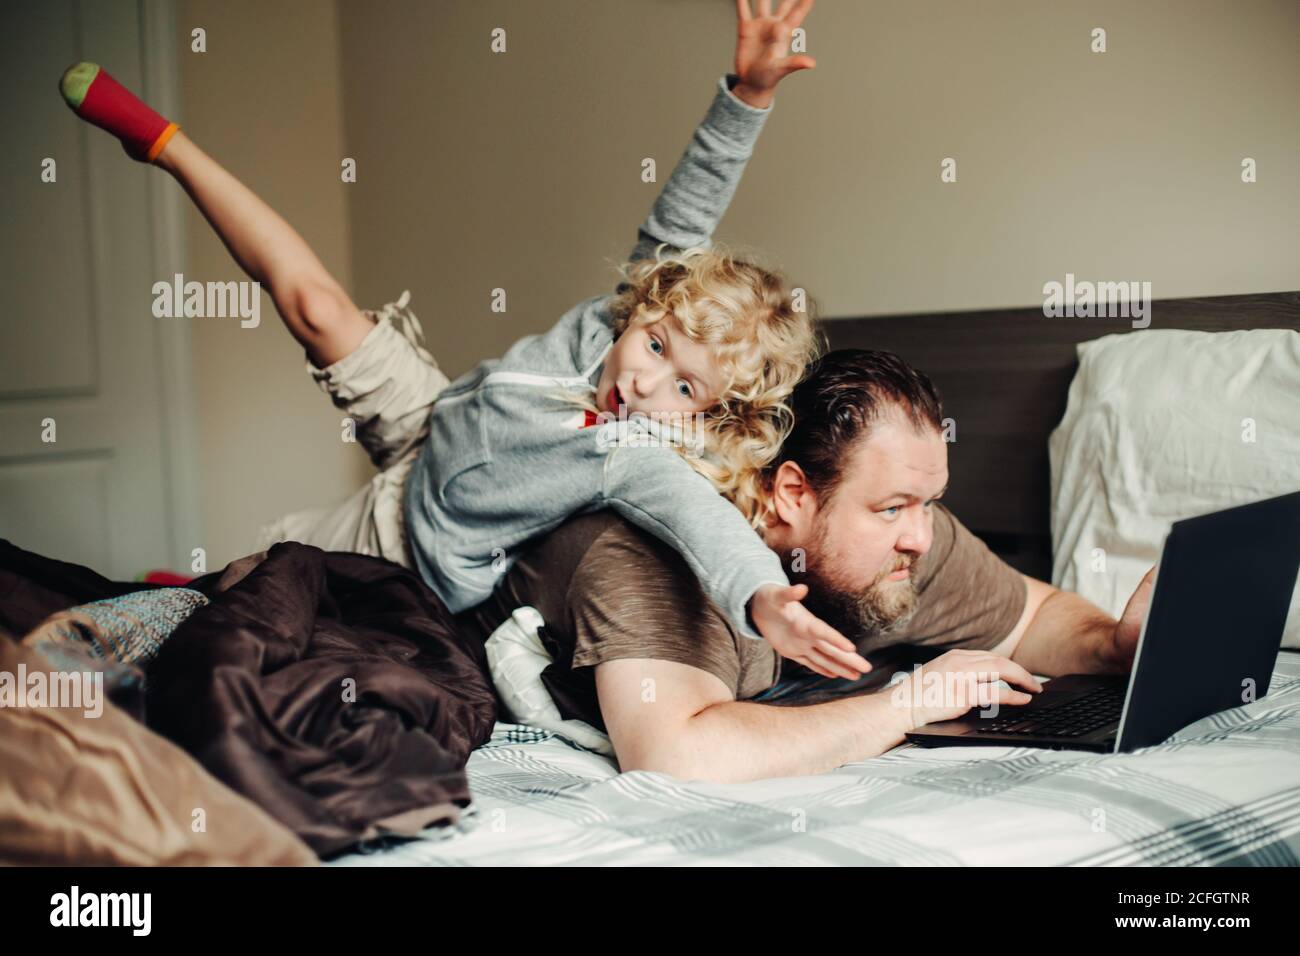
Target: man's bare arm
681 720
1062 633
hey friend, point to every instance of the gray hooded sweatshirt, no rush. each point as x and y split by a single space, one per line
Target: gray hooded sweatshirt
506 461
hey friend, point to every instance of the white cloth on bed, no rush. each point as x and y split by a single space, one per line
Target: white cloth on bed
516 659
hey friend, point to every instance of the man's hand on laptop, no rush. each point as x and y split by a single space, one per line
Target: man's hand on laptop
795 632
951 684
1129 627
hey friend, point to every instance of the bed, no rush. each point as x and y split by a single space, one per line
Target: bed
541 800
1223 791
1077 443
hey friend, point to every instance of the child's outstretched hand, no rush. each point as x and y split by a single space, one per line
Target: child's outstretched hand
763 47
800 635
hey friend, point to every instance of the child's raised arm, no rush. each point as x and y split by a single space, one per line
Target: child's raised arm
698 192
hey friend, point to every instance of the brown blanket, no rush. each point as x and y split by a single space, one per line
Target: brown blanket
104 790
333 690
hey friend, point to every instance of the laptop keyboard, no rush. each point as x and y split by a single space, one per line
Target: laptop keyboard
1071 719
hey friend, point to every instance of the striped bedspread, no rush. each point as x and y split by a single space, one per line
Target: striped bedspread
1222 791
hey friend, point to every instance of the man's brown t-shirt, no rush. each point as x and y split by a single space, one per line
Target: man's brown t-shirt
609 591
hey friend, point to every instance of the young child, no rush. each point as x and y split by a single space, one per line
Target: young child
471 470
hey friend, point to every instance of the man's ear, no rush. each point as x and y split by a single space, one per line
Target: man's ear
794 502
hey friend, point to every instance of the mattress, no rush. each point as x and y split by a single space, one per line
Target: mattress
1222 791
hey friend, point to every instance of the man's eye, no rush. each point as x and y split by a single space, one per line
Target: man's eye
892 511
684 388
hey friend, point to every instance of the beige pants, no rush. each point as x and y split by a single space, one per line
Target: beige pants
387 386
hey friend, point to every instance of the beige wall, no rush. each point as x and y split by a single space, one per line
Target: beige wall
522 170
265 101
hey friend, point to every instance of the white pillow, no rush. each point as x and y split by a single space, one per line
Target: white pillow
516 659
1166 424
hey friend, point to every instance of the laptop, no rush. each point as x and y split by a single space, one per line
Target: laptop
1208 643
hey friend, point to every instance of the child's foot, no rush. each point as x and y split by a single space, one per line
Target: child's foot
98 98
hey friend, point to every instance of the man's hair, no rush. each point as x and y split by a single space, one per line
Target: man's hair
838 403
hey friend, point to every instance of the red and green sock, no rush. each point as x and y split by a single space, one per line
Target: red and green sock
97 98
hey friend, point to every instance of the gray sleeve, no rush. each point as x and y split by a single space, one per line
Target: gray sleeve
698 192
656 490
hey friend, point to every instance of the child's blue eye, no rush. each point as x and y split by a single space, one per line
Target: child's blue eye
656 346
684 388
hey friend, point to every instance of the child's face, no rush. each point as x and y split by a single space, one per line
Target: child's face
657 368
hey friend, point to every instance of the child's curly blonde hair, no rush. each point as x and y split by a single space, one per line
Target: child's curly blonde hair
763 343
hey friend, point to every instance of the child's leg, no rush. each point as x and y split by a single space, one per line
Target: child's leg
314 307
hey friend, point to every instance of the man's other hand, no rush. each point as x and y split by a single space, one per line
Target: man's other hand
1129 627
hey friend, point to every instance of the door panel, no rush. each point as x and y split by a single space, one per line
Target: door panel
79 344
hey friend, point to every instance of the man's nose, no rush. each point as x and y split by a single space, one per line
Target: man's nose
918 535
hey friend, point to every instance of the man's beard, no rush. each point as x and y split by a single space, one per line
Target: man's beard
882 606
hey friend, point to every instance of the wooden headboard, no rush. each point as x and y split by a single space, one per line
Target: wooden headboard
1004 375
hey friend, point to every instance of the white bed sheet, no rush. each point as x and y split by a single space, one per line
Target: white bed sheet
1225 790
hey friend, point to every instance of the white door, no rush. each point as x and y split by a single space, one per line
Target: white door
82 359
